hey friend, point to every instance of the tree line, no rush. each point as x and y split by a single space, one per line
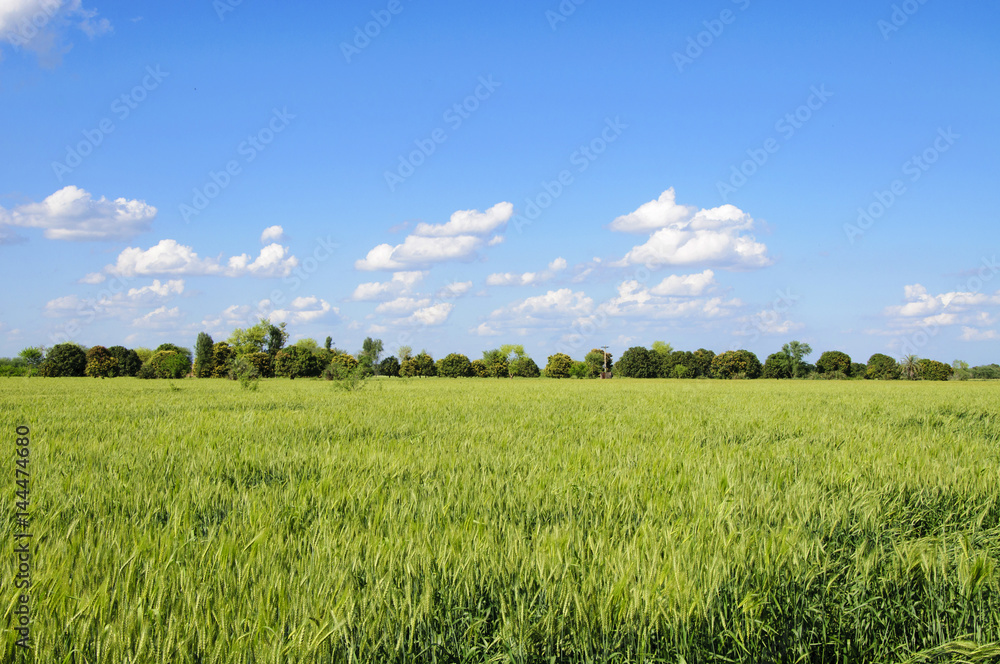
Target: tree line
262 351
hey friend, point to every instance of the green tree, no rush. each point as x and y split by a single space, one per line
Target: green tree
389 367
421 364
776 367
558 366
32 356
203 355
297 362
144 354
169 364
909 367
934 370
100 363
702 360
277 336
222 356
736 364
597 361
329 344
960 370
127 361
638 362
65 360
796 351
496 363
882 367
525 368
834 361
455 365
662 348
580 370
479 369
186 352
371 351
404 353
858 370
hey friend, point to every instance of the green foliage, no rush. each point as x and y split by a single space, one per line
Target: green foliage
421 365
497 365
680 371
32 356
859 370
203 355
371 351
479 369
144 354
328 345
243 370
934 370
558 366
882 367
986 372
796 351
909 367
100 363
524 367
454 366
127 362
348 379
777 366
580 370
13 367
960 370
404 353
64 360
662 348
222 356
638 362
264 363
186 352
341 364
833 361
595 360
263 337
736 364
169 364
389 367
702 362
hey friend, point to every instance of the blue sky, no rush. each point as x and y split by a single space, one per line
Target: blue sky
566 176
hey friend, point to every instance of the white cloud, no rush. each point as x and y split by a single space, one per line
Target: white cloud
653 215
484 330
469 222
455 289
39 25
921 303
973 334
433 315
93 278
301 310
635 301
526 278
168 257
73 214
158 318
402 306
681 236
158 289
562 302
121 305
401 283
457 240
558 265
495 240
767 322
272 234
688 285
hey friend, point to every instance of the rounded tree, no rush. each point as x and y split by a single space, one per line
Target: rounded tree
882 367
479 369
421 365
455 365
833 361
736 364
296 362
777 367
100 363
525 367
389 367
638 362
169 364
934 370
128 361
65 360
222 356
558 366
858 370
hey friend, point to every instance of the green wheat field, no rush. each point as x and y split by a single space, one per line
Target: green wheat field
436 520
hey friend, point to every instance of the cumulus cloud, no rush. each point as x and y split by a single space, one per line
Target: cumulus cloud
687 285
158 318
455 289
74 214
433 315
972 310
41 26
122 305
484 330
402 305
457 240
526 278
272 234
169 257
682 236
401 283
301 310
973 334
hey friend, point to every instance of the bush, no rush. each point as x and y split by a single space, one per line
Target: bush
736 364
169 364
581 370
833 361
559 366
341 364
100 363
496 364
11 367
680 371
65 360
146 372
638 362
934 370
128 362
389 367
177 349
479 369
986 372
702 360
595 359
246 372
222 356
858 370
524 367
777 367
293 362
882 367
418 365
454 366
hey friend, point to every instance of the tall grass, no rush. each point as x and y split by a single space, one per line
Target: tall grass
510 521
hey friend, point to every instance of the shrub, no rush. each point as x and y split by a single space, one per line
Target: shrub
143 354
11 367
736 364
454 366
777 367
65 360
127 361
418 365
595 359
558 366
246 372
680 371
186 352
882 367
341 363
833 361
479 369
496 364
293 362
169 364
389 367
580 370
858 370
100 363
934 370
524 367
702 359
146 372
986 372
264 364
222 356
638 362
